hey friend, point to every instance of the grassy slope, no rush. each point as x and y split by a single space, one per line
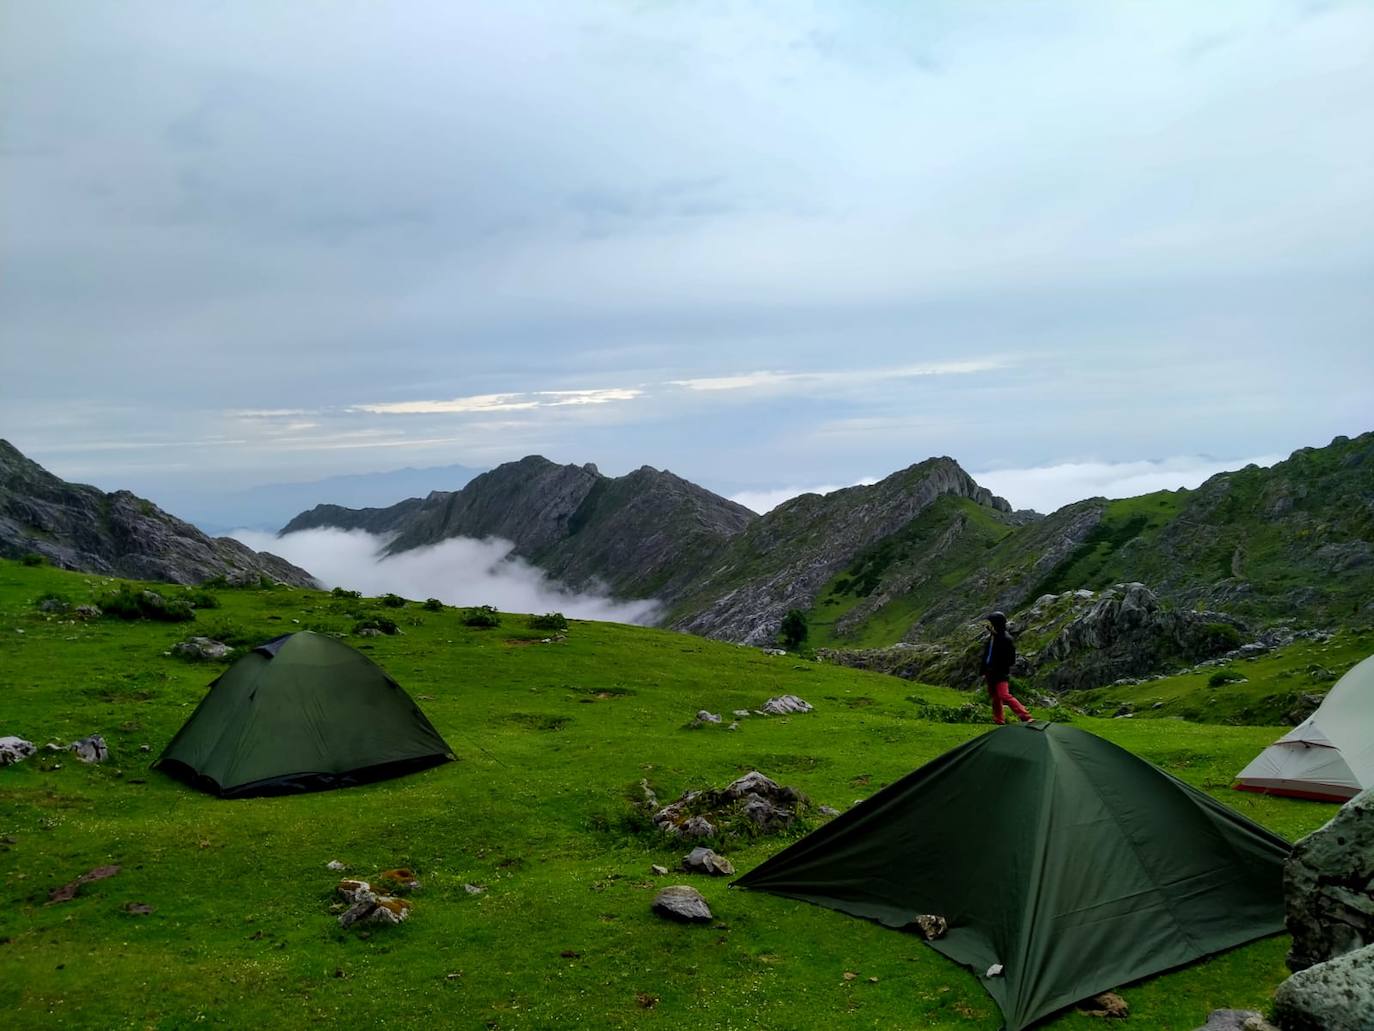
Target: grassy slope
906 555
241 935
1272 684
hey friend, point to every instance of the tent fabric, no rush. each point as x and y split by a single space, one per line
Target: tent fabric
1069 861
1328 756
304 712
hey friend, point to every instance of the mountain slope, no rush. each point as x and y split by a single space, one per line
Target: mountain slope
76 526
787 557
645 534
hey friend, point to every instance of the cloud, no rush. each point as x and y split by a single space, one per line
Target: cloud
837 378
764 501
1048 487
458 571
503 402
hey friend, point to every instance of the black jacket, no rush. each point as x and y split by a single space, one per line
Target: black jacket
999 655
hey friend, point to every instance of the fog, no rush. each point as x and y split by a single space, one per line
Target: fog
458 571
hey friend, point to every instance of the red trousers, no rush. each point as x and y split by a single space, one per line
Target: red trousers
1001 692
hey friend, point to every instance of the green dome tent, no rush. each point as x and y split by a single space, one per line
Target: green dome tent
303 712
1068 862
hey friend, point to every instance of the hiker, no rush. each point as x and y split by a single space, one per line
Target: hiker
998 658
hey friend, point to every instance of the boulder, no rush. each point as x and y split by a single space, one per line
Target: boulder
1328 886
767 815
752 783
15 749
87 612
785 704
698 827
202 648
1337 995
683 903
704 860
90 749
366 906
707 717
1236 1020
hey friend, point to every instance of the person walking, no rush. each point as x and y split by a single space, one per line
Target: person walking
998 657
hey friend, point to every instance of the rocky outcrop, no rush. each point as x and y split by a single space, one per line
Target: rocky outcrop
1329 886
380 521
79 527
753 804
1070 641
15 749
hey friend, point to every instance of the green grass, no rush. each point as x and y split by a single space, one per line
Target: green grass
1269 685
552 741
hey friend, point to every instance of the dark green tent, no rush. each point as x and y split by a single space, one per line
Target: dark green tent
1070 862
303 712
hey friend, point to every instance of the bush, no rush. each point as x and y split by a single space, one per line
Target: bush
51 602
433 605
234 635
1222 677
340 592
548 621
793 630
381 623
1222 637
134 603
393 601
200 599
32 558
483 617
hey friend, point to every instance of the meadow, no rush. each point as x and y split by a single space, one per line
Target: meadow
552 742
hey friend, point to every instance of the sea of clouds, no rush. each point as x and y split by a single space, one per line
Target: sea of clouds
458 571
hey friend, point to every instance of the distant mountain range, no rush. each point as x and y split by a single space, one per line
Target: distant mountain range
76 526
911 562
267 506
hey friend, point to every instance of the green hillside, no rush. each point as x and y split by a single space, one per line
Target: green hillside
553 741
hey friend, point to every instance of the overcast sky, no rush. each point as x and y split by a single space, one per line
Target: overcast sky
768 246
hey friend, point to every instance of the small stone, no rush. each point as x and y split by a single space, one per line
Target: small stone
202 649
707 717
334 864
353 890
683 903
662 871
930 926
740 713
786 704
145 748
828 810
995 970
15 749
473 889
704 860
90 749
849 975
698 827
138 908
872 980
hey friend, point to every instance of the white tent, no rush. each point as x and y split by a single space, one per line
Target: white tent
1330 755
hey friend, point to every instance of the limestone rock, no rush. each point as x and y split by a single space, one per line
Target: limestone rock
1329 886
335 865
683 903
704 860
785 704
87 612
661 871
707 717
366 906
202 648
90 749
1337 995
15 749
698 827
752 783
1236 1020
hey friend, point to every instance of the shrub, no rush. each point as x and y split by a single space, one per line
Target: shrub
393 601
483 617
793 630
51 602
549 621
381 623
1222 677
433 605
32 558
1222 637
340 592
134 603
200 599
